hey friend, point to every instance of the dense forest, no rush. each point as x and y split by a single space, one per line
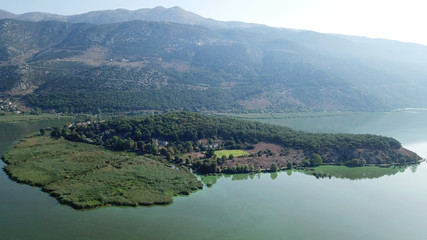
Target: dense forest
123 101
182 132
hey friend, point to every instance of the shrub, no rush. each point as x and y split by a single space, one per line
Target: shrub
274 168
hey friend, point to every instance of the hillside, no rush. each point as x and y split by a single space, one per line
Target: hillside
183 61
174 14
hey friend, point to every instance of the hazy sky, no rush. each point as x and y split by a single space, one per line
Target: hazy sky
403 20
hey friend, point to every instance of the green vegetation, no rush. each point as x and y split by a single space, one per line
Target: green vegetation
139 65
227 153
152 155
355 162
121 101
87 176
274 168
315 160
181 127
183 130
13 117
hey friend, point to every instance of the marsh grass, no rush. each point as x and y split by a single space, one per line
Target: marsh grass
88 176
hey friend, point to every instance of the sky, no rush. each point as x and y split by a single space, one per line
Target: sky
402 20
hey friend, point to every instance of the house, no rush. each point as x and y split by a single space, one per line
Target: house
160 143
213 144
85 124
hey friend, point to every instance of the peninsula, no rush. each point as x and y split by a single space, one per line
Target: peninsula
148 160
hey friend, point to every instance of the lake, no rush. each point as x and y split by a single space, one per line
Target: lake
286 205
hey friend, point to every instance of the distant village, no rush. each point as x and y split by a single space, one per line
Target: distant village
8 105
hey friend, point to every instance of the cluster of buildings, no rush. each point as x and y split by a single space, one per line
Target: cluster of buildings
7 105
211 143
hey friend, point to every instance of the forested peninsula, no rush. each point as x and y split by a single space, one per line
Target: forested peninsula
148 160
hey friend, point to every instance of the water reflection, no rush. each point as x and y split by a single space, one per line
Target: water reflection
355 173
273 175
342 172
210 180
240 177
414 168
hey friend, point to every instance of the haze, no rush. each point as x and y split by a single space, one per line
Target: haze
396 20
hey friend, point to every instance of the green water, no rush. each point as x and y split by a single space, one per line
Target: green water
286 205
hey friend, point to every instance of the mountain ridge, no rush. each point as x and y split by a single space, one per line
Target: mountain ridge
160 13
252 68
173 14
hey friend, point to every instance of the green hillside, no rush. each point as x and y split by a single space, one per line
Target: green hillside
141 65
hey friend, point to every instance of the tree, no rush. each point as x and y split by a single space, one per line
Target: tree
115 142
289 165
222 159
42 131
129 144
231 157
274 168
151 148
209 153
355 162
188 147
316 160
166 153
402 161
245 168
306 163
37 111
141 146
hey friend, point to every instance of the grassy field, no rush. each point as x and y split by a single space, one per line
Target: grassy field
235 153
13 117
88 176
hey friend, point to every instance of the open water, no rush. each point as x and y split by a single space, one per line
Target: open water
286 205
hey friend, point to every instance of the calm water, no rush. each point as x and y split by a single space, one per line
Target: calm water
287 205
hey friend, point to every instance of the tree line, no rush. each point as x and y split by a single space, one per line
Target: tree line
173 134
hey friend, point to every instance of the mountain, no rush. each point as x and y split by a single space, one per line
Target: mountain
158 14
200 64
5 15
